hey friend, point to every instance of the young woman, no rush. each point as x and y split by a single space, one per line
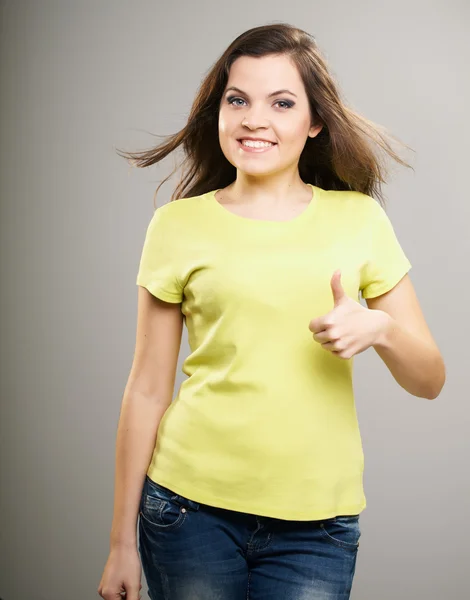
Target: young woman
253 487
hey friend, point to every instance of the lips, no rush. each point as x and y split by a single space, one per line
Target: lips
253 150
255 140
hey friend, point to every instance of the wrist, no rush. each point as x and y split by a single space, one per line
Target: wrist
123 545
129 541
384 329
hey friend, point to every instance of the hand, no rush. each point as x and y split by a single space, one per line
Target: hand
349 328
122 574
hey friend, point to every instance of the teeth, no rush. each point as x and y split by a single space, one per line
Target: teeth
252 144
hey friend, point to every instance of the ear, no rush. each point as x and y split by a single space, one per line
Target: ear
315 130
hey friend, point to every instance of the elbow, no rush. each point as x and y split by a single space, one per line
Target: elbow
439 379
433 395
431 381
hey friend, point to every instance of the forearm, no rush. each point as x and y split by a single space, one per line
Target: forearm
138 424
415 364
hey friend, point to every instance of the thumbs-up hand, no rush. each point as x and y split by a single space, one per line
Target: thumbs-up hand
349 328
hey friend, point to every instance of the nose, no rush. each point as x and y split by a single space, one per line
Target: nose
253 126
254 120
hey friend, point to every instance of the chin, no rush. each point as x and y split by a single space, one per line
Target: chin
257 172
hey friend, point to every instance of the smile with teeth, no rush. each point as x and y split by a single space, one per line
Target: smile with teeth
255 145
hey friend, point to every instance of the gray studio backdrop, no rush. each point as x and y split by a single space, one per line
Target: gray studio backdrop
77 79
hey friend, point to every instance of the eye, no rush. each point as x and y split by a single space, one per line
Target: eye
287 103
231 99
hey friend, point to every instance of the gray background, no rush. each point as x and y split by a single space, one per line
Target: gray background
79 78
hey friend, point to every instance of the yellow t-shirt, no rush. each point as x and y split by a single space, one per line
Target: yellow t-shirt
266 421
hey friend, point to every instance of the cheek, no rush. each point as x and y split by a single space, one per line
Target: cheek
227 127
226 124
293 134
222 125
224 128
223 138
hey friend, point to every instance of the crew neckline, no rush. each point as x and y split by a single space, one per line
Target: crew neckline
263 223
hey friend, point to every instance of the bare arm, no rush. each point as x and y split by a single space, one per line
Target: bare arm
147 395
406 345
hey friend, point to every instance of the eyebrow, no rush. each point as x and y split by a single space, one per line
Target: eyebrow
285 91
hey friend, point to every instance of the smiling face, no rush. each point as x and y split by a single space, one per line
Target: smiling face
269 103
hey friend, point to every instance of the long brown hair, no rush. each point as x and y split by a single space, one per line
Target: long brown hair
345 155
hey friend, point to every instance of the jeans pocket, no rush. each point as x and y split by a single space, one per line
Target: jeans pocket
160 507
342 531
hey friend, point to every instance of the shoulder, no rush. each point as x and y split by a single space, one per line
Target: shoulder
353 207
181 210
352 199
178 215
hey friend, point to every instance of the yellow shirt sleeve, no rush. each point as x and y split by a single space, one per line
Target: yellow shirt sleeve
159 265
386 262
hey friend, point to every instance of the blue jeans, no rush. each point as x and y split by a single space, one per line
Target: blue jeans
192 551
